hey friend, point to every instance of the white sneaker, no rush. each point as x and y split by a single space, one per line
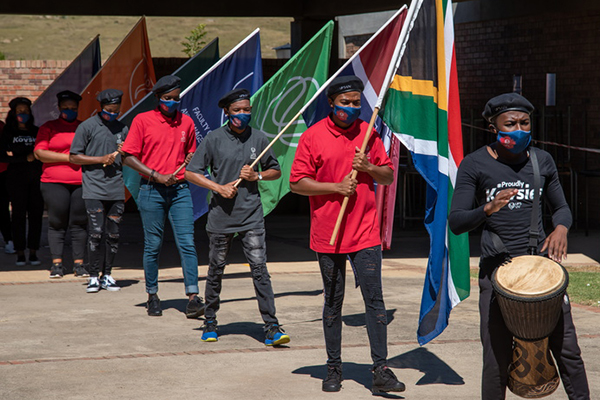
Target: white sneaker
107 282
93 285
9 248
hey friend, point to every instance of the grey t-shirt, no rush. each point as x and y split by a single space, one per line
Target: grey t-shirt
225 153
94 138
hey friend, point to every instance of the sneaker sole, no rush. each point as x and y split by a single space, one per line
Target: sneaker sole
21 264
211 339
282 340
331 390
92 290
82 276
55 276
196 314
378 390
35 263
111 289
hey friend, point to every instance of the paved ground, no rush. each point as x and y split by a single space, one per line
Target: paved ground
57 342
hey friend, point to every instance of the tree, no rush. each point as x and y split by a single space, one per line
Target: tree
194 43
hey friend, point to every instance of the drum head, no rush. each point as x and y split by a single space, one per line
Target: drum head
530 276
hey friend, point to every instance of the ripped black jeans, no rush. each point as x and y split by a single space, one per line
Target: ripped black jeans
255 250
104 217
367 267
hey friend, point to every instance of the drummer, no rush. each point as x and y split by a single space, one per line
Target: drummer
494 187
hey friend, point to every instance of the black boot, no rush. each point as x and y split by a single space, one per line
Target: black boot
384 380
153 306
333 382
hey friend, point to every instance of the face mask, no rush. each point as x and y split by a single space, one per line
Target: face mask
346 114
68 114
108 116
23 118
515 141
240 121
169 106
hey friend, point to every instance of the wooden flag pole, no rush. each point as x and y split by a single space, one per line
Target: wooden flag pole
338 223
275 139
180 168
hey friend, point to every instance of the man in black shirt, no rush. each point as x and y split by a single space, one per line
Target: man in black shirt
495 186
228 152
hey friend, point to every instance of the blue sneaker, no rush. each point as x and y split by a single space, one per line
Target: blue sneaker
276 336
209 331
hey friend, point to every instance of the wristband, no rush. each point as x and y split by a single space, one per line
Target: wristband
152 175
259 177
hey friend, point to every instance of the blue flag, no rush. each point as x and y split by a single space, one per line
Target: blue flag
74 78
188 72
240 68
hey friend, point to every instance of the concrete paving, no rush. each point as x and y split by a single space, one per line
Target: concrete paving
57 342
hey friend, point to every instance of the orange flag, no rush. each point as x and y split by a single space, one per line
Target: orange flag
128 69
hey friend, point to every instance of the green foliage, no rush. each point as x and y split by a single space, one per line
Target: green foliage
2 56
194 43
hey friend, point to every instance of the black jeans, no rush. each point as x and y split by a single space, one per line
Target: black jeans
367 266
5 228
255 250
104 217
66 209
27 208
497 344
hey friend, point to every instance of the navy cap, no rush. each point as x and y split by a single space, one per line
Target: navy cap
233 96
110 96
166 84
343 84
506 102
68 95
19 100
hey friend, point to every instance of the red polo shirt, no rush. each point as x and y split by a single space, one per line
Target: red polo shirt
57 136
161 143
325 153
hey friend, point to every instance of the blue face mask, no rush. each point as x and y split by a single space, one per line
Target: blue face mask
169 106
68 115
240 121
108 116
23 118
346 114
515 141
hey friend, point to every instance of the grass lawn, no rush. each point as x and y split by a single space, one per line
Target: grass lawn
51 37
584 287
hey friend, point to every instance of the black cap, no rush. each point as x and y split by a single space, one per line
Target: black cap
166 84
110 96
233 96
343 84
68 95
19 100
506 102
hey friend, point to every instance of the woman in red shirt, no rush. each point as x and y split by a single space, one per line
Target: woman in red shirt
61 185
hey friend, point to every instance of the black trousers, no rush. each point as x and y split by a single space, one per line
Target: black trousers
104 217
5 227
497 344
27 208
66 209
367 266
255 250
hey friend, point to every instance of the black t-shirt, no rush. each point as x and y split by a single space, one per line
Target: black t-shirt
20 143
225 152
481 176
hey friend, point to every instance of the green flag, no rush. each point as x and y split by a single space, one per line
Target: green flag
281 98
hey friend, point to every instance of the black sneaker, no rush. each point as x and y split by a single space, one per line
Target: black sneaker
194 308
276 336
80 271
333 382
209 331
56 271
21 261
384 380
153 306
34 260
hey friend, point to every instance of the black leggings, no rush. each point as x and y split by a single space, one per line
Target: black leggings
66 209
4 210
27 208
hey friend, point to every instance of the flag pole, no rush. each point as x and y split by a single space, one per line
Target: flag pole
398 53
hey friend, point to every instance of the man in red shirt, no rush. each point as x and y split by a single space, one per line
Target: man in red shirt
322 169
158 142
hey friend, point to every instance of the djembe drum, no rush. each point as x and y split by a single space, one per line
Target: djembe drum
530 292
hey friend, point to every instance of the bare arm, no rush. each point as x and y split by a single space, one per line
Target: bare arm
311 187
134 163
227 191
49 156
81 159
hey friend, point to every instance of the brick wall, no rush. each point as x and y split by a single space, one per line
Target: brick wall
26 78
489 53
